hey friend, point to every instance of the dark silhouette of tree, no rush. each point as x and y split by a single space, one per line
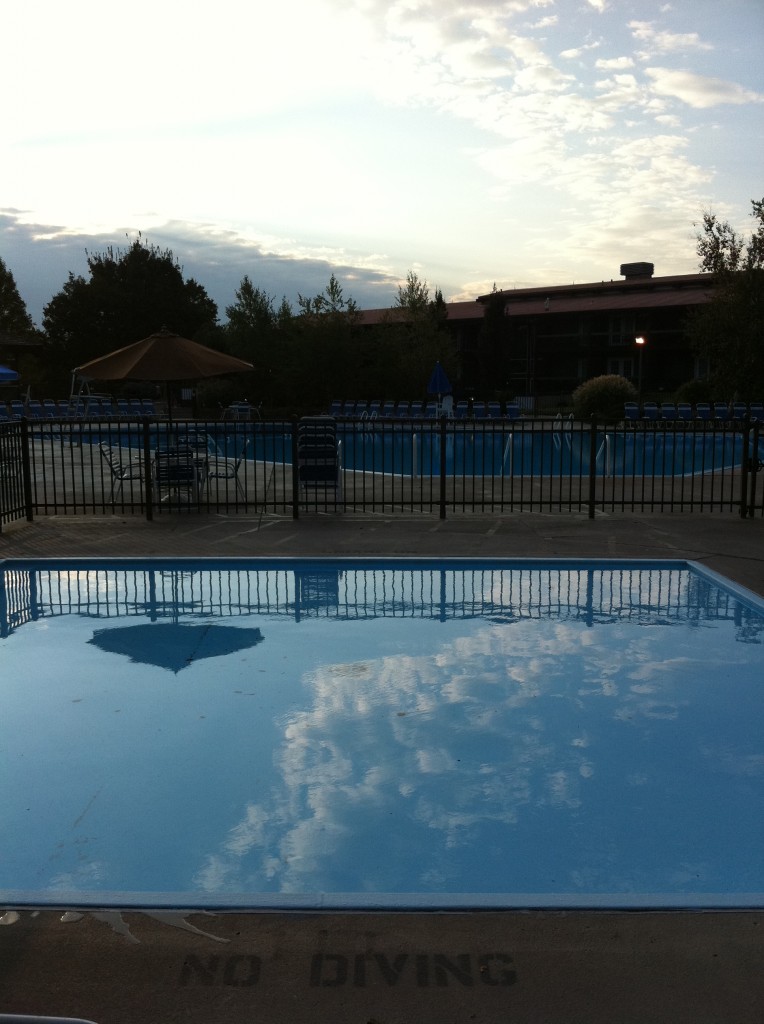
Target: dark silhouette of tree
128 295
728 330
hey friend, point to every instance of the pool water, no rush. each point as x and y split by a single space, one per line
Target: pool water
394 734
493 452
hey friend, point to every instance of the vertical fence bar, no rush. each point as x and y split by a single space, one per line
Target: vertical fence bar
592 465
442 467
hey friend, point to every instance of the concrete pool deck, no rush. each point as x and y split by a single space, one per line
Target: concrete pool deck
491 968
727 544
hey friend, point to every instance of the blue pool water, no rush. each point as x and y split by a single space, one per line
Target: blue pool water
491 453
407 733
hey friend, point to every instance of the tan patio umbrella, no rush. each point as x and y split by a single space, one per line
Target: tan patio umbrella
162 357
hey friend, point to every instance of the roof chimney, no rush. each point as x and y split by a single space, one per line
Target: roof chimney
631 271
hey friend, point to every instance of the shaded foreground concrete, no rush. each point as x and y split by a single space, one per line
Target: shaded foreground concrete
725 543
490 968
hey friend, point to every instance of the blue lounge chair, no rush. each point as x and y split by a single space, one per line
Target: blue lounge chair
388 410
739 410
684 411
668 411
335 409
650 412
49 409
513 411
417 410
373 409
431 410
494 410
461 409
35 409
722 411
479 410
402 411
703 410
348 407
756 410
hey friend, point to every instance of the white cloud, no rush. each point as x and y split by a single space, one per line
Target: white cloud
666 42
614 63
699 91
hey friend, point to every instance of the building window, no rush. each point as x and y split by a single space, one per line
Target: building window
622 330
701 368
622 365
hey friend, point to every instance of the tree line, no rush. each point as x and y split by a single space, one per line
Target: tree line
302 358
307 356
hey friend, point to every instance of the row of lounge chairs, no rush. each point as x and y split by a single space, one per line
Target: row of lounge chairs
359 410
671 412
90 408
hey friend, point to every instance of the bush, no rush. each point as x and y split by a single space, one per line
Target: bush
694 391
603 397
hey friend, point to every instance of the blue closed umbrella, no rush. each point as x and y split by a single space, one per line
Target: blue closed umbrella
438 384
7 375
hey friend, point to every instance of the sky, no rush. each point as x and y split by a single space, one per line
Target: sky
516 143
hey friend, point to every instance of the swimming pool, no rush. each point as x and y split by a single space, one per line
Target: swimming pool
395 449
309 734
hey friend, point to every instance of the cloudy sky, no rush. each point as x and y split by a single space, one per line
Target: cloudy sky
523 142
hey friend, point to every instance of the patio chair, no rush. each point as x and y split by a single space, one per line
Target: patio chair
123 408
35 410
318 460
220 468
479 411
739 410
756 410
373 409
668 411
722 411
431 410
630 412
417 410
402 412
387 411
49 409
176 471
513 411
18 411
494 410
348 408
335 409
120 469
461 409
684 411
148 408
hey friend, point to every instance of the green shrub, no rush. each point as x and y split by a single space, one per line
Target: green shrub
603 397
693 391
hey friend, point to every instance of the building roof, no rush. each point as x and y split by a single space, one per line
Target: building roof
565 303
471 310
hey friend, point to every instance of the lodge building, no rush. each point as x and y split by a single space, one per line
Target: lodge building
542 342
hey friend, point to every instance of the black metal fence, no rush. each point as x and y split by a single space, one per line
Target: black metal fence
444 467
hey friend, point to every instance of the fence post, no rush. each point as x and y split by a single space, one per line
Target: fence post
756 465
592 465
295 473
148 488
442 467
26 468
744 467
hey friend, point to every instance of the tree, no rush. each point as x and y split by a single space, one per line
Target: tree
423 337
323 355
729 329
129 294
14 318
256 332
